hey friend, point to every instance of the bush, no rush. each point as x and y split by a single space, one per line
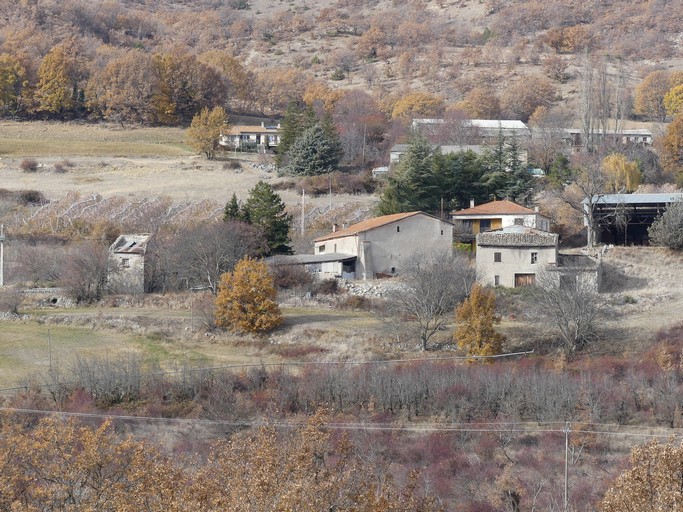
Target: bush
10 299
232 164
667 230
341 182
355 302
29 165
31 197
286 277
326 287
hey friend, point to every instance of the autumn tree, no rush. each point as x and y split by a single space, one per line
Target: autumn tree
653 482
12 83
521 99
59 90
476 318
671 148
416 104
246 299
667 229
124 89
265 209
432 285
673 100
481 103
206 129
184 87
60 465
650 93
622 175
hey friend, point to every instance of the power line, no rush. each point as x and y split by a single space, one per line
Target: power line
530 428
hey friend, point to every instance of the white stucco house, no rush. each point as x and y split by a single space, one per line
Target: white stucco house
379 247
127 263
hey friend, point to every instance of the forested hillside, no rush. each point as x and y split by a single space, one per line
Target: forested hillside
160 62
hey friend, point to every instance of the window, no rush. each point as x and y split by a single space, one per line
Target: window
442 232
125 262
534 258
393 270
497 257
484 225
335 248
519 221
321 249
496 280
398 229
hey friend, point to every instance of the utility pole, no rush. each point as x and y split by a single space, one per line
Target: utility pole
2 255
49 348
303 210
566 466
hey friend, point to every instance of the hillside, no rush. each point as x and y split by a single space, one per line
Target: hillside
269 51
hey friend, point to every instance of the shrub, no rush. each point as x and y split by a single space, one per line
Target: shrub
286 277
355 302
326 287
29 165
59 168
10 299
667 230
232 164
29 197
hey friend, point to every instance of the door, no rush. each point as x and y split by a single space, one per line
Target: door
525 280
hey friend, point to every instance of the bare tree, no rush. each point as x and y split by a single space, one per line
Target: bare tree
86 270
570 304
431 286
585 192
198 255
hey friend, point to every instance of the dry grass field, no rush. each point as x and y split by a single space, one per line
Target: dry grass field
134 162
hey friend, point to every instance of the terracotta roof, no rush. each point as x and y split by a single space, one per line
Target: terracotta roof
517 236
369 224
504 207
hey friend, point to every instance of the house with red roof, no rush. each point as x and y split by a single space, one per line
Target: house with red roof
496 215
379 247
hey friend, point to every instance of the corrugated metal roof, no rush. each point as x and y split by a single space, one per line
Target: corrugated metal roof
636 198
517 236
306 259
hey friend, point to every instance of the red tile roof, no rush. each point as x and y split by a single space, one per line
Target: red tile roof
367 225
504 207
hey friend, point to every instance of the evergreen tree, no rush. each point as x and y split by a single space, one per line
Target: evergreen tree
233 210
462 179
315 151
403 191
297 119
265 209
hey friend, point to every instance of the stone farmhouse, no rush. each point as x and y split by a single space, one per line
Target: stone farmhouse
379 247
515 255
127 264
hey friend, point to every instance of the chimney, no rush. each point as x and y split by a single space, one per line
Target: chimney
334 227
471 203
536 209
263 125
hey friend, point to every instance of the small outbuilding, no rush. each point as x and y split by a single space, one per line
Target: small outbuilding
127 264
